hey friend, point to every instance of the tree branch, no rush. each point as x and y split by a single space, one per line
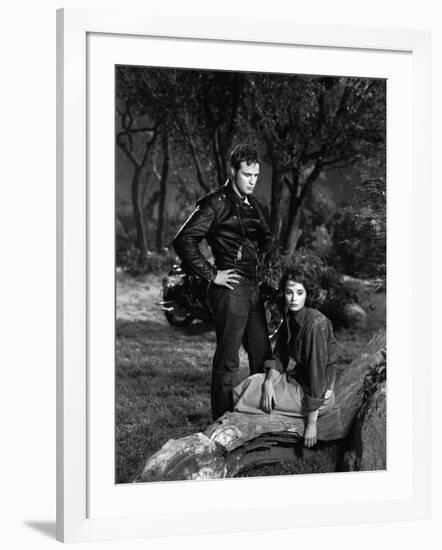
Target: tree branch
199 172
310 179
148 148
127 152
289 184
138 130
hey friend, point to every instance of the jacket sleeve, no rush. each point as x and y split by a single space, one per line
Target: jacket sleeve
194 230
280 357
315 357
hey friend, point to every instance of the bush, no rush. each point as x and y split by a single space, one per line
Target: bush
359 243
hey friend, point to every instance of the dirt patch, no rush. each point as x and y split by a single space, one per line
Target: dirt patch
138 297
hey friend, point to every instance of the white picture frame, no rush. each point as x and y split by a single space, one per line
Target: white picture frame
84 493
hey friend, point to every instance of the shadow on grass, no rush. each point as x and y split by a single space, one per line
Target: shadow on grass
198 327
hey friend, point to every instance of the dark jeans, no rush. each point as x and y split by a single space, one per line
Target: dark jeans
239 319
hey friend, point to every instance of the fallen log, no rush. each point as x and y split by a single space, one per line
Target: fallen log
368 449
238 440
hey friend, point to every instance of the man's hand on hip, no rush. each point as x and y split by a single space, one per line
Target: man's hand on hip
227 277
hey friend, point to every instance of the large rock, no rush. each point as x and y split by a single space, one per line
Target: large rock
369 446
238 440
355 316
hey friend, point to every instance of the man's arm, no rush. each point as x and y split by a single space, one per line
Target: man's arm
186 245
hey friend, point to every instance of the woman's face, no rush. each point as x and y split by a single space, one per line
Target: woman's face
295 295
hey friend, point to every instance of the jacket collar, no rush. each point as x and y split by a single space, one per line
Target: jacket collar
298 316
233 195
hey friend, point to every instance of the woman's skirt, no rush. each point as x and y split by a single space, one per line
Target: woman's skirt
247 396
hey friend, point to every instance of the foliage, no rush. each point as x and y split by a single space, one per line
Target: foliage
359 231
318 209
211 105
311 125
359 243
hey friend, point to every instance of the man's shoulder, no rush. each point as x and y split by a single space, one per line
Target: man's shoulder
214 197
255 201
260 208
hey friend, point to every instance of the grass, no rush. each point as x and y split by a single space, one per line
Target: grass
163 381
162 387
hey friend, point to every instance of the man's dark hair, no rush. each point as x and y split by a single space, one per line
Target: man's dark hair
303 275
243 153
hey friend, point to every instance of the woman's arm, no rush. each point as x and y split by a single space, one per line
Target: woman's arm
268 390
316 359
274 366
311 431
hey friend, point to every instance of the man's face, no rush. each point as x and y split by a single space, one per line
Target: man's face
245 177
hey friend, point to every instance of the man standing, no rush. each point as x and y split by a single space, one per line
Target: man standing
235 226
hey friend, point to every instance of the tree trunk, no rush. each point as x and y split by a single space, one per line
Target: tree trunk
293 234
293 231
163 191
275 207
218 154
140 225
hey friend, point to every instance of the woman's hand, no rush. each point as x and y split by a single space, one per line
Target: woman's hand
268 396
310 434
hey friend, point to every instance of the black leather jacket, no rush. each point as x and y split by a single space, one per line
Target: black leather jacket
236 232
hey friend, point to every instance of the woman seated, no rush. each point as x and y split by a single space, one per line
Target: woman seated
299 378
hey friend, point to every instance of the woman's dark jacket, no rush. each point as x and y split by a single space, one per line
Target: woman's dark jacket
307 337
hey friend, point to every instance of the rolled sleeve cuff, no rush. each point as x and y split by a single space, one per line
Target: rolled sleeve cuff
310 403
273 364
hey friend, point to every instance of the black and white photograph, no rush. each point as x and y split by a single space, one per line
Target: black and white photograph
250 230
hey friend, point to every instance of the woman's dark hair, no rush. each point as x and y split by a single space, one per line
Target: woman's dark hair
243 153
309 281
